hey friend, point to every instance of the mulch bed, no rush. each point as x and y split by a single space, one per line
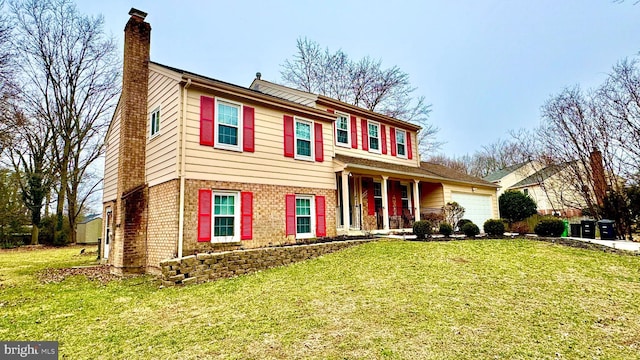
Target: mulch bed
94 273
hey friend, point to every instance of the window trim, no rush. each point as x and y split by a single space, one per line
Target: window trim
348 130
152 134
236 217
296 156
377 124
216 125
408 198
402 156
312 207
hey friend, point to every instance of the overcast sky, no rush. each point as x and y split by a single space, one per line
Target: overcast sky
486 66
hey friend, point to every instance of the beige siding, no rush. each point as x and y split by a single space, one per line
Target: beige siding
448 188
366 154
432 196
267 165
112 145
161 154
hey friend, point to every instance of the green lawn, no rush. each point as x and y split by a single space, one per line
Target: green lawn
391 299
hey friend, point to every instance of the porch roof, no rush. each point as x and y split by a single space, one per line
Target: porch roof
426 171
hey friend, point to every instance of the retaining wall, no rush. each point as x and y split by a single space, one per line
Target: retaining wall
205 267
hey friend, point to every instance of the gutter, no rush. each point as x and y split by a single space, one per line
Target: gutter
182 174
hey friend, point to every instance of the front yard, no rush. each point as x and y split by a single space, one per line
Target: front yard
499 299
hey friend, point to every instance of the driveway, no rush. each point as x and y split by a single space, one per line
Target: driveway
616 244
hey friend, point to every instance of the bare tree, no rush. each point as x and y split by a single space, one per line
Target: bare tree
8 87
31 159
71 72
363 83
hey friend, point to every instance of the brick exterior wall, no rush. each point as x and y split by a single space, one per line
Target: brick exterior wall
130 213
269 222
205 267
162 229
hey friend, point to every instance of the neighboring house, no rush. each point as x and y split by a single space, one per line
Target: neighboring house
546 185
194 164
511 175
89 230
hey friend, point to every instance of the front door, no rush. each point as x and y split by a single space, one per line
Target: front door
107 234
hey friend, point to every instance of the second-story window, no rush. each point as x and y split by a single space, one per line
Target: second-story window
155 122
303 138
228 125
401 141
342 130
374 137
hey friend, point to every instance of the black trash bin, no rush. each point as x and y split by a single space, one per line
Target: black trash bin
607 229
575 230
588 229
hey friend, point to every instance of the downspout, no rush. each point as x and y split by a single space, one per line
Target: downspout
183 157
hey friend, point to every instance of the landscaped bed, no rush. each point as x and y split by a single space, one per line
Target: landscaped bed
388 299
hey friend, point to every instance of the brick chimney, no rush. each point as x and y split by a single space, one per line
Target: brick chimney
131 208
597 169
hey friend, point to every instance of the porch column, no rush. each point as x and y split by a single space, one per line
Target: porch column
416 199
345 201
385 203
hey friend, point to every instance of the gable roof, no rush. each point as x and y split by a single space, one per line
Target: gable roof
539 176
246 93
499 174
449 173
426 170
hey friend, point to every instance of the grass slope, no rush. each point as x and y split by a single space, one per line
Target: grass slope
467 299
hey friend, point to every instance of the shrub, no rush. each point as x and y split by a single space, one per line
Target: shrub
521 228
422 228
446 229
470 229
549 227
516 206
462 222
494 227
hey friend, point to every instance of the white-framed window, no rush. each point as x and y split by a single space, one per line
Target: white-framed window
305 216
404 192
154 122
225 218
401 143
343 130
303 133
374 136
377 195
228 125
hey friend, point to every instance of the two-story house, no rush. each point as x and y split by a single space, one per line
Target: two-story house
194 164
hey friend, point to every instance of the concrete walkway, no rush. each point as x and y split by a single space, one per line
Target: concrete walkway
616 244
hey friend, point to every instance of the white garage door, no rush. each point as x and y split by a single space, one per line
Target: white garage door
477 207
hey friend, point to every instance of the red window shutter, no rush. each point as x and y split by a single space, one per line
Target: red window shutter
354 133
392 135
371 199
390 198
207 120
248 135
399 200
383 138
246 213
317 133
290 214
365 134
321 219
204 215
409 148
288 136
